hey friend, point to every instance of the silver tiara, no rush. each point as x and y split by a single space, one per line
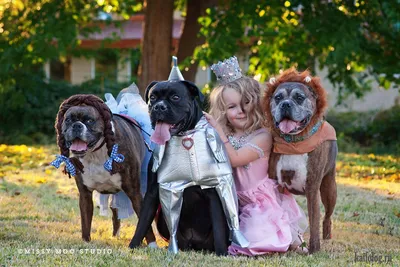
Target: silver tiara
227 71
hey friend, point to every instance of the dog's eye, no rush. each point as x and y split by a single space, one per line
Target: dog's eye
299 97
152 97
278 97
175 97
89 121
67 120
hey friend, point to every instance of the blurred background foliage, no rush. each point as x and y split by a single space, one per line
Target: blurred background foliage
356 41
367 132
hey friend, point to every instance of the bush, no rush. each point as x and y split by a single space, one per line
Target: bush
29 107
369 132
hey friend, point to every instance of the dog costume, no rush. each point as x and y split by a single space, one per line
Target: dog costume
195 157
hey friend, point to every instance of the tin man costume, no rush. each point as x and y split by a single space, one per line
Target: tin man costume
195 157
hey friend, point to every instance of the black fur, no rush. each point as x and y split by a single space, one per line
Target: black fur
202 224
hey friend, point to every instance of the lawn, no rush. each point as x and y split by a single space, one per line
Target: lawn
40 222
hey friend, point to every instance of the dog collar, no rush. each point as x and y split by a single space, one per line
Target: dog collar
293 138
100 146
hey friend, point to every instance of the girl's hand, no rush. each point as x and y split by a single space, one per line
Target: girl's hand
210 119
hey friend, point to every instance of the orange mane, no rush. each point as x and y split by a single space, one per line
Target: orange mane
292 75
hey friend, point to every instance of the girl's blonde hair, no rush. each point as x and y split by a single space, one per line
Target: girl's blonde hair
250 90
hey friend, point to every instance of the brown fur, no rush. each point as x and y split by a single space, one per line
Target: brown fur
131 146
321 164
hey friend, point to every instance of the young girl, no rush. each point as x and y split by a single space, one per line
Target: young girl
271 221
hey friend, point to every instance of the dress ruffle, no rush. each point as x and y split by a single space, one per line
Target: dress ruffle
271 221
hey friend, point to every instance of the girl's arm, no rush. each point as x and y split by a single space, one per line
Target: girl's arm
246 154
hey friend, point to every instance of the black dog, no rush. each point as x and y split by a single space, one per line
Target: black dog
202 224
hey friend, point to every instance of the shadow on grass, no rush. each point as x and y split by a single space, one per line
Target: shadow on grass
36 216
39 212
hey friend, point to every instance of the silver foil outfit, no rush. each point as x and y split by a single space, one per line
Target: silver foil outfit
197 157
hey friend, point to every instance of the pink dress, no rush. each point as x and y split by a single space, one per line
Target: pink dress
270 221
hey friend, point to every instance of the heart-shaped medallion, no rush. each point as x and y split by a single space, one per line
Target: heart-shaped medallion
187 143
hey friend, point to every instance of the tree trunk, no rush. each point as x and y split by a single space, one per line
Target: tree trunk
190 38
155 63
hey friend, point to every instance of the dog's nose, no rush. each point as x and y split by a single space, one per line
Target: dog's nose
160 107
286 105
77 127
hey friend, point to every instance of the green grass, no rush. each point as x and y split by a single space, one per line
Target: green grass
39 216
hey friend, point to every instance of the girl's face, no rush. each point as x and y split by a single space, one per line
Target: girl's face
234 113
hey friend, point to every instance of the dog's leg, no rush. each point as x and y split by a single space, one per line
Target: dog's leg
116 221
86 208
148 210
220 231
137 206
171 203
136 200
227 194
328 197
312 194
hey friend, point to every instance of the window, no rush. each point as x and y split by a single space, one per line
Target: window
106 64
60 71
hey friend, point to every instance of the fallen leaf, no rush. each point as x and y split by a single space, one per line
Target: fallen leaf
41 180
355 214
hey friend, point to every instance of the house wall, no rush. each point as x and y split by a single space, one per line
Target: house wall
124 67
82 69
203 75
377 99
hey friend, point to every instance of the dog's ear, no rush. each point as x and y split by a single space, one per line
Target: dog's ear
146 94
194 90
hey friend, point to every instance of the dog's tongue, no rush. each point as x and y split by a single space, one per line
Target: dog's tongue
78 145
286 126
161 133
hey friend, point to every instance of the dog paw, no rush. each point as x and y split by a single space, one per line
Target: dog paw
117 233
313 248
152 245
301 250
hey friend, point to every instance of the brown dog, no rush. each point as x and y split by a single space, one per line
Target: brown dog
304 153
88 131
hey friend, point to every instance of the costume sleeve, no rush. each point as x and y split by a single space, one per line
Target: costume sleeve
256 149
216 145
158 154
264 151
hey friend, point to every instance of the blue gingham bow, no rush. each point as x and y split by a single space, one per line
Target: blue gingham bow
114 157
60 158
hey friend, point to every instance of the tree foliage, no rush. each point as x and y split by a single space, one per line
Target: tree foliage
354 40
32 32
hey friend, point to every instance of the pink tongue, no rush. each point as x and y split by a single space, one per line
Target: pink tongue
161 133
286 126
78 145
